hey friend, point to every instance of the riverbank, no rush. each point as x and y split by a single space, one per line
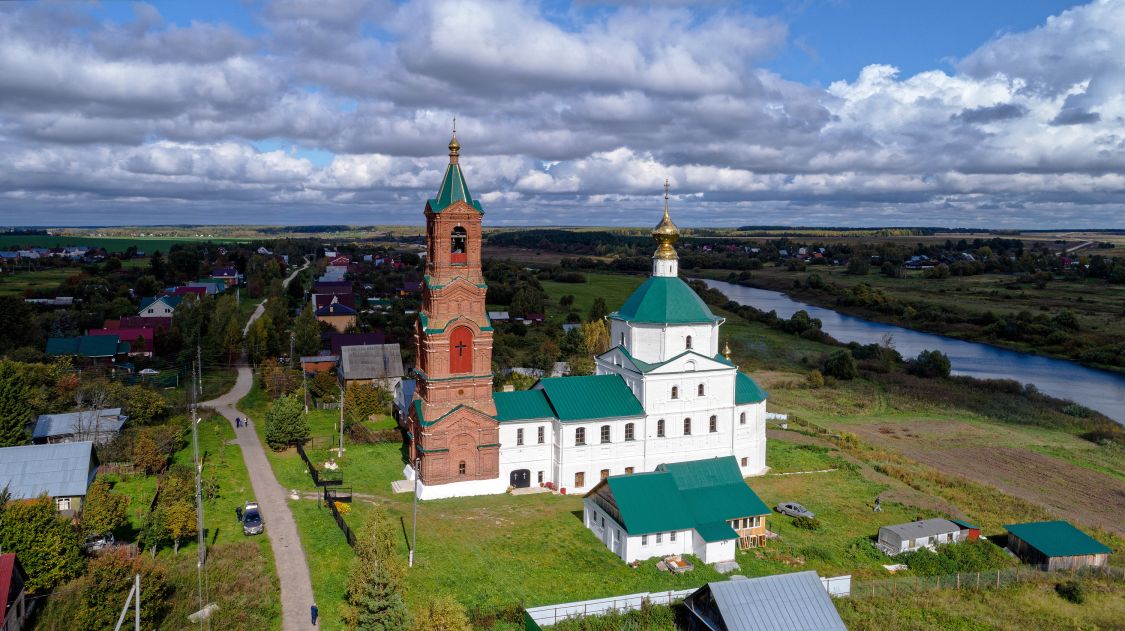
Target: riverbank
991 309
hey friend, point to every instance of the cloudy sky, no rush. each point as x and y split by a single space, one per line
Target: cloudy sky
792 112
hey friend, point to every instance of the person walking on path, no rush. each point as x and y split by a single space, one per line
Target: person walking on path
238 513
315 612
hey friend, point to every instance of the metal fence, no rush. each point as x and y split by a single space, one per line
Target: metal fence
972 580
552 614
331 496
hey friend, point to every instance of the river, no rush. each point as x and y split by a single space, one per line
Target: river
1096 389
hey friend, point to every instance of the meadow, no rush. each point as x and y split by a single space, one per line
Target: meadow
148 245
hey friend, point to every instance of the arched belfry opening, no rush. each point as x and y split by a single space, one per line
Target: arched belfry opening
458 246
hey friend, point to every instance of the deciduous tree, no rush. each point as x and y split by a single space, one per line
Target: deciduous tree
442 613
14 410
103 511
306 332
46 543
107 583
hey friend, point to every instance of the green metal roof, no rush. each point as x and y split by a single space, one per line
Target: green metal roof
701 494
746 391
87 346
590 397
664 300
453 189
522 405
1057 538
644 366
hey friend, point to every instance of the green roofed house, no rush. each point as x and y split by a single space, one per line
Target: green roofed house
701 507
1056 545
99 348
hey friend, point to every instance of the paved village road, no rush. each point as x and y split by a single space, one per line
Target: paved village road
289 558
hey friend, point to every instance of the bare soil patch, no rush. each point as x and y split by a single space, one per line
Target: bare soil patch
961 449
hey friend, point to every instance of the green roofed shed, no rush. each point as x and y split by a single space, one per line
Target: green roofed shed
1055 544
665 300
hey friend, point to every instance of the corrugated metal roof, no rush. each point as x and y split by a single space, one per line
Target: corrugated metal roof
1057 538
782 602
107 420
522 405
700 494
664 300
923 528
453 189
85 346
59 470
375 361
590 397
746 390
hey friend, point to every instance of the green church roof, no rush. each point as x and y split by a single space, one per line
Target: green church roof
664 300
522 405
453 189
746 390
579 398
700 494
1057 539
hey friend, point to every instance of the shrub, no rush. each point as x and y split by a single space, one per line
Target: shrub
807 523
930 364
840 365
1071 590
815 379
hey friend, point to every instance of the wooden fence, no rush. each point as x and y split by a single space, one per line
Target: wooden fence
332 491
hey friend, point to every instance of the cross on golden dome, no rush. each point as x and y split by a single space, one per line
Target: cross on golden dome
666 233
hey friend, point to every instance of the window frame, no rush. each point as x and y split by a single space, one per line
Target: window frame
519 436
687 426
675 392
630 432
701 391
579 436
660 428
605 435
713 424
542 435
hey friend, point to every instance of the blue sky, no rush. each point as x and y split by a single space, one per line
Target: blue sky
800 112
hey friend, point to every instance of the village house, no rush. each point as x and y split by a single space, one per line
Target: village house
100 349
313 364
337 315
337 341
13 594
141 340
159 307
925 533
783 602
323 300
702 507
1056 545
375 364
98 426
62 472
228 275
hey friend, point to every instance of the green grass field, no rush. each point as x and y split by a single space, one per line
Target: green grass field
19 283
111 244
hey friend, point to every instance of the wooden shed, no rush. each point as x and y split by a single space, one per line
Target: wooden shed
1055 545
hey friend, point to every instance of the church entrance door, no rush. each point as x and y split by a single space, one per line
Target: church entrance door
521 478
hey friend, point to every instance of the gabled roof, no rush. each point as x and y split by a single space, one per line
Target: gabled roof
665 300
327 298
87 346
171 301
783 602
335 309
522 405
59 470
339 340
375 361
590 397
11 575
107 420
923 528
224 272
1057 538
746 390
453 189
700 494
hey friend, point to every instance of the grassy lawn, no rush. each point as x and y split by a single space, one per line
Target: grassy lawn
328 554
20 282
614 288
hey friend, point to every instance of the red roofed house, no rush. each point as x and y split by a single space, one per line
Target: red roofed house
339 261
140 339
138 322
12 592
183 291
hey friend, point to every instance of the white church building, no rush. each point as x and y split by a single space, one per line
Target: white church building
662 394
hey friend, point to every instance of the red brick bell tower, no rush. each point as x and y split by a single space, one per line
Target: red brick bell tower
451 421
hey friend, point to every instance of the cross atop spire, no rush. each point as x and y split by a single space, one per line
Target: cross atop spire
454 146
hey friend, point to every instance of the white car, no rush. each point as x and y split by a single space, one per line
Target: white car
149 371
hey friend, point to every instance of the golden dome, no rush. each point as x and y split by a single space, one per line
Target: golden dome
665 233
454 146
726 350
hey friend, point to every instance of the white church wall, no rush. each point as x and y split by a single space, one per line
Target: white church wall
532 455
658 342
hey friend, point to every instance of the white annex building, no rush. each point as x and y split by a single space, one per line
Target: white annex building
663 393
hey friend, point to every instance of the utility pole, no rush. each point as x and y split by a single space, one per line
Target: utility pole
341 454
133 591
414 537
201 543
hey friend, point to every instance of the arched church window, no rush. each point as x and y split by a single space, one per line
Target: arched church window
660 428
687 427
605 433
461 350
688 342
742 418
714 425
675 392
458 246
701 390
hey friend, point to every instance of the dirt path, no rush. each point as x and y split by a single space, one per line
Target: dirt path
289 558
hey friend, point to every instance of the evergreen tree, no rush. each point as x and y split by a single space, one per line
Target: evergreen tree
285 423
14 410
374 590
598 310
306 332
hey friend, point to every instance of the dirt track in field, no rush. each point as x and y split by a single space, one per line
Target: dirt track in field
956 448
